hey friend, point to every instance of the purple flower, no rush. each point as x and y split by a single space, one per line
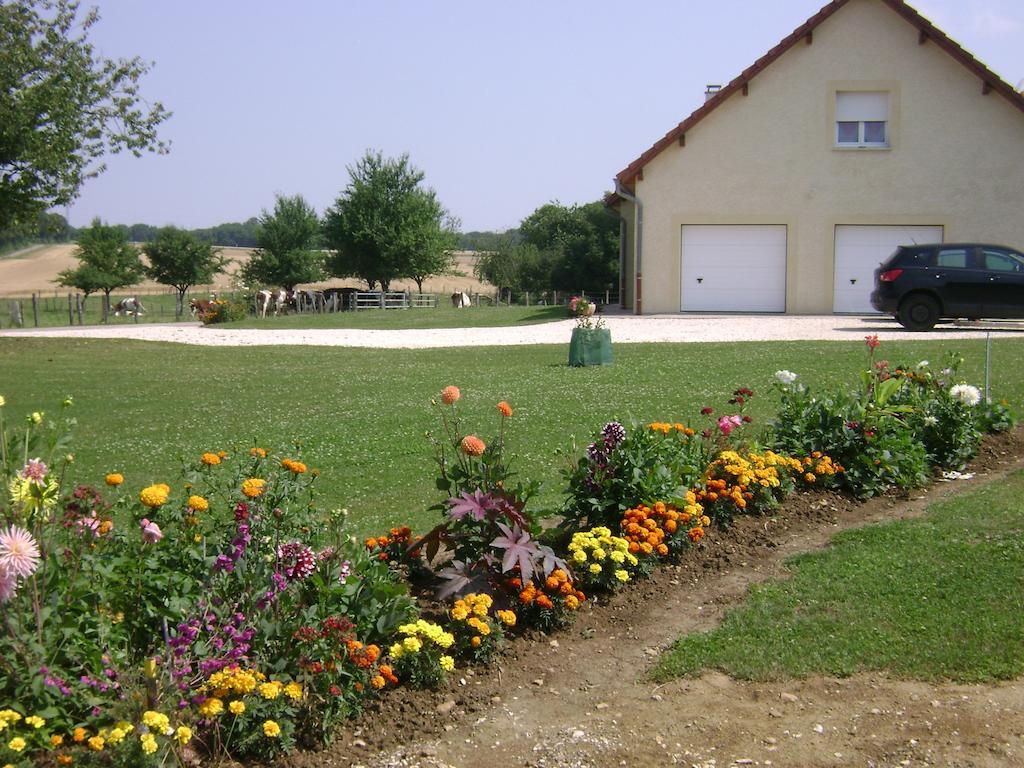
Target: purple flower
613 433
296 560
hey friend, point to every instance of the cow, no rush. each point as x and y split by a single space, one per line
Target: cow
200 306
340 298
276 299
129 306
460 300
307 298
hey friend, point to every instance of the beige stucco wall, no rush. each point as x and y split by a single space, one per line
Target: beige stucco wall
956 157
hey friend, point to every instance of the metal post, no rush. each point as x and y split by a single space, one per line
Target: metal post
988 365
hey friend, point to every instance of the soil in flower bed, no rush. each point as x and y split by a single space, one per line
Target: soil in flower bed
582 697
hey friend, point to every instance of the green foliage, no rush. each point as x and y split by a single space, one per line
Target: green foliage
487 241
107 261
622 468
225 311
906 598
63 106
385 225
517 267
289 240
583 241
177 258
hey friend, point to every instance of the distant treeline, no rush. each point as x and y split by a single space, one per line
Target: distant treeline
54 228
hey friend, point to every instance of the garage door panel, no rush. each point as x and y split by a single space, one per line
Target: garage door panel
733 268
859 250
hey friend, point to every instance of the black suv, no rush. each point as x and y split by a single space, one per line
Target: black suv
920 284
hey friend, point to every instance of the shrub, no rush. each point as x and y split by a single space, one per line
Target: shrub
225 311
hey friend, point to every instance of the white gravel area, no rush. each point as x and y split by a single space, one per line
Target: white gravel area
625 329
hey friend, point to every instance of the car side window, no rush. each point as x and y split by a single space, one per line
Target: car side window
999 261
955 258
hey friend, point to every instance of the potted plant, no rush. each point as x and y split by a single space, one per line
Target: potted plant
591 342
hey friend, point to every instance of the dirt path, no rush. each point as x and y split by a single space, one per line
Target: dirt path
579 699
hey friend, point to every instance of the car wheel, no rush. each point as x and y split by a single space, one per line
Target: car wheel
918 313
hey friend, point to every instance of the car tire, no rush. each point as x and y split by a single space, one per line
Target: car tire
918 312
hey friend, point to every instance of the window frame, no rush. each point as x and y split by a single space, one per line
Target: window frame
835 109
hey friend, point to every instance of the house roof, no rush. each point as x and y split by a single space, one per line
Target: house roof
990 81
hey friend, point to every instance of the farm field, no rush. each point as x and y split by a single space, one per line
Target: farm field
361 416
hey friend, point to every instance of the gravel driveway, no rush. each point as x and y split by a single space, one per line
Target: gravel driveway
625 329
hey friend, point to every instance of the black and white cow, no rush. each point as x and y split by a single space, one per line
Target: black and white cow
129 306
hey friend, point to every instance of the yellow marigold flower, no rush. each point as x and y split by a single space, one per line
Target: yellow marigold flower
617 556
447 663
198 503
271 729
154 496
595 568
396 651
293 691
473 446
571 602
96 743
579 556
210 459
412 644
157 721
622 575
459 612
116 737
270 690
508 618
148 743
809 477
211 707
450 394
35 721
377 682
17 744
114 479
253 487
236 707
9 716
599 554
183 734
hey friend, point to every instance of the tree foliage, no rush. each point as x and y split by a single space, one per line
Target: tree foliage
584 243
385 226
63 107
178 258
516 267
288 243
107 261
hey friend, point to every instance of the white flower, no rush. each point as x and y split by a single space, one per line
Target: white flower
922 365
966 394
930 421
785 377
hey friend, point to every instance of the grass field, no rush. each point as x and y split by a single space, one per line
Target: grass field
937 598
361 415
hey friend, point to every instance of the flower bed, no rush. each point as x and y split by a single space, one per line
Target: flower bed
223 614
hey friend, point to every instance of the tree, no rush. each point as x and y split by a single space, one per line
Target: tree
180 259
516 267
107 261
288 240
385 226
584 241
63 106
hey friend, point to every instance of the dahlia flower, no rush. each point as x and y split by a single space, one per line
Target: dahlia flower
966 394
19 553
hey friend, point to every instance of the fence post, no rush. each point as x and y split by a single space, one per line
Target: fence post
555 300
527 298
78 307
35 309
606 297
16 313
71 313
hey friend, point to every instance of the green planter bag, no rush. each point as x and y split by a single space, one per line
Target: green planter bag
590 346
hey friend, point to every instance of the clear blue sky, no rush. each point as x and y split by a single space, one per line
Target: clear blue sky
504 105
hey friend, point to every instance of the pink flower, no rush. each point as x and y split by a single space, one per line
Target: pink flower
151 532
872 341
727 424
35 471
8 585
19 554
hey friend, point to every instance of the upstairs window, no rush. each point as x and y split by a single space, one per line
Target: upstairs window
862 119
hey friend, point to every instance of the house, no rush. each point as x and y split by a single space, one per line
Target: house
864 129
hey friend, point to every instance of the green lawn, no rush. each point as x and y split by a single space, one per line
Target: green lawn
361 414
53 309
941 597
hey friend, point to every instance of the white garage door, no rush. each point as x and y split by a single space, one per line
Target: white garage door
733 268
859 249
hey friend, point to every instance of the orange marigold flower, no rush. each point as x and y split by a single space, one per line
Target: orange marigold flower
358 687
551 582
505 409
473 446
65 759
450 394
377 682
662 549
572 603
544 601
258 453
154 496
696 534
476 641
210 459
114 479
198 503
254 487
79 734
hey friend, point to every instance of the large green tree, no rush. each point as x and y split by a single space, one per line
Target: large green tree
288 243
180 259
106 261
583 241
517 267
62 106
385 226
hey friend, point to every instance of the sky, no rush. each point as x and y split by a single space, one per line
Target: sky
504 106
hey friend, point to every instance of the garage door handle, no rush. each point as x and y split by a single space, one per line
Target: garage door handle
700 279
853 281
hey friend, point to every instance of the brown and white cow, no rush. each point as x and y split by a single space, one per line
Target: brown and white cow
200 306
276 299
460 300
129 306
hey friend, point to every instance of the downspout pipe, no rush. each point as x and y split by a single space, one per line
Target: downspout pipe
622 192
